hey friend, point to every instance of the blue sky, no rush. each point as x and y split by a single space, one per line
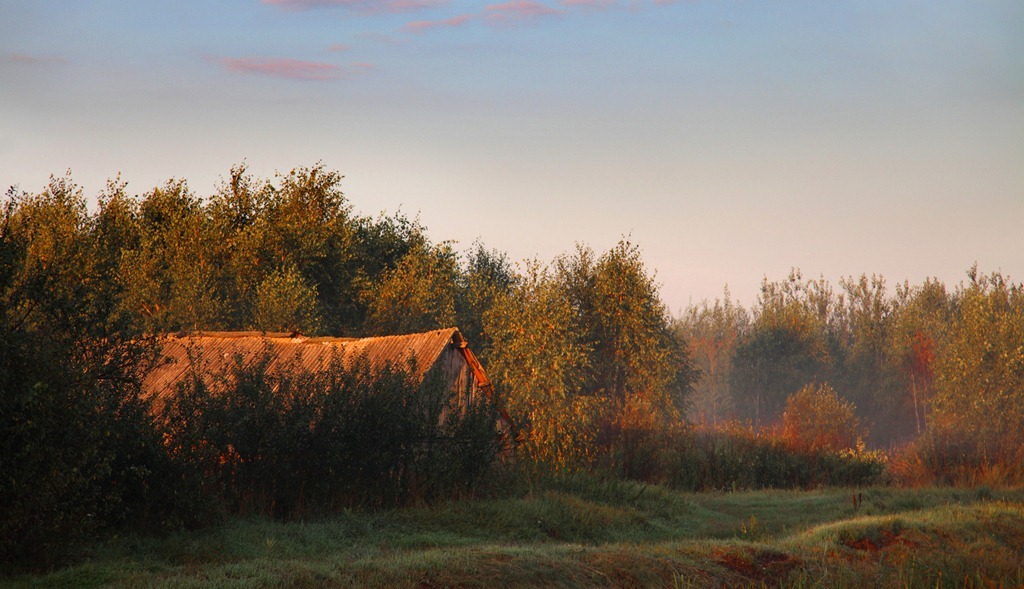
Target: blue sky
730 140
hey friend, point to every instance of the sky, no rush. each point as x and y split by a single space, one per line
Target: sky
730 140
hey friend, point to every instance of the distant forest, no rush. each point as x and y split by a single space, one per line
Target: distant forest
582 351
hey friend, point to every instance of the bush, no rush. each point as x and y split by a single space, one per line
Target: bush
950 456
289 443
733 456
77 454
78 450
816 418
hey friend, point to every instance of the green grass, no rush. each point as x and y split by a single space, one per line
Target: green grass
583 533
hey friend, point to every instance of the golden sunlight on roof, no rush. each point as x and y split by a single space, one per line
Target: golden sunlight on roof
214 352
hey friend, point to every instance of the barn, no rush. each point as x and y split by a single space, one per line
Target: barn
208 354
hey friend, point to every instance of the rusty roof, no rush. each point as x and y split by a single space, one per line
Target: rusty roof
215 352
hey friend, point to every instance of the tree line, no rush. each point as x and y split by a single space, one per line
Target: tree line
937 368
594 370
87 291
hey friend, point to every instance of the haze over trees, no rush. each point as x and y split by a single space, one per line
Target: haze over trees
899 358
594 371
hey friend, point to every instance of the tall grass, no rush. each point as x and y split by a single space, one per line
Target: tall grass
949 457
733 457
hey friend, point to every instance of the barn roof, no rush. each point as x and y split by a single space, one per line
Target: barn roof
213 352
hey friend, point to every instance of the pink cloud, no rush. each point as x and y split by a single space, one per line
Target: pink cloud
338 47
592 4
293 69
516 11
368 6
423 25
25 59
359 67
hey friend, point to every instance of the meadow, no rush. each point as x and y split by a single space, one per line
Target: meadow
586 532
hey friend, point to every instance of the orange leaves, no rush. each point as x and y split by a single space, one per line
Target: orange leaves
921 359
816 418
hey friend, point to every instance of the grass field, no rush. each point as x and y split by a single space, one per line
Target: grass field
586 533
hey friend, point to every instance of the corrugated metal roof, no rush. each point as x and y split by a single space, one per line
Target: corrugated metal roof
216 352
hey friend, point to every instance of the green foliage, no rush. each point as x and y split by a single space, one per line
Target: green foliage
170 280
583 355
979 385
284 302
77 447
285 442
535 360
785 348
621 319
924 363
732 457
586 356
806 307
237 213
308 223
78 289
769 364
418 294
287 253
639 371
863 370
186 264
922 315
488 275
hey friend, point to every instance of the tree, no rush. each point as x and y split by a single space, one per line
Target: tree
768 364
806 307
922 314
285 302
308 223
171 279
241 202
535 361
77 447
419 294
784 349
238 214
485 276
713 331
863 368
635 358
979 384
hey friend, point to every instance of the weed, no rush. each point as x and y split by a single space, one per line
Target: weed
748 528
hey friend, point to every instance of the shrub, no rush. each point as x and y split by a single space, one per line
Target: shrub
816 418
289 443
950 456
733 456
78 451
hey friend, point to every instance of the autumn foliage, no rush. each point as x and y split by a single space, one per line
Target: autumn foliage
816 418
